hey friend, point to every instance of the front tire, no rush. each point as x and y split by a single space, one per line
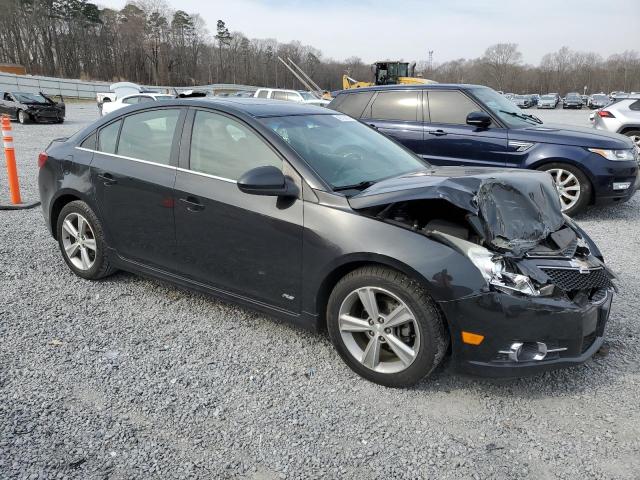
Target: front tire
23 117
573 186
81 240
386 327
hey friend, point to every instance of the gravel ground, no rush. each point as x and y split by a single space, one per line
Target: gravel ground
131 378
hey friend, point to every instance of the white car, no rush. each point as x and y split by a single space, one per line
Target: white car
134 99
290 95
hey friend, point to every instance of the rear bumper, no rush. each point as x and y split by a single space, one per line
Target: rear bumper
505 319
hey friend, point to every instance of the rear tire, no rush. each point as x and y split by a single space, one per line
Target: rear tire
23 117
567 177
634 135
418 333
81 241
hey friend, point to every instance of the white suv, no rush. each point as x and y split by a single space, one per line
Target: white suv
290 95
621 116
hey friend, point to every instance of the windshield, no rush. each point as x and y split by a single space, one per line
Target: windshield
547 97
520 97
503 108
342 150
29 97
601 98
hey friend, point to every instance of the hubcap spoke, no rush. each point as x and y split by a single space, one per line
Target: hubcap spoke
69 228
404 352
368 299
84 257
90 244
81 225
371 354
353 324
400 315
72 249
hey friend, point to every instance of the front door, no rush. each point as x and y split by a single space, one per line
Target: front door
448 140
134 172
246 245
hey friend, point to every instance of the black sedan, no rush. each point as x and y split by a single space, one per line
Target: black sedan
314 217
572 100
27 107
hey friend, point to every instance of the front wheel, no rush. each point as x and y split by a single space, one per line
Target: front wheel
573 186
81 241
23 117
385 326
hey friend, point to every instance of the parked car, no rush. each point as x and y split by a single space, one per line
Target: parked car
584 98
598 100
572 100
134 99
523 101
535 98
548 101
314 217
32 107
475 126
621 116
290 95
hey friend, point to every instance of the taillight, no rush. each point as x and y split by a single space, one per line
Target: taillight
605 114
42 159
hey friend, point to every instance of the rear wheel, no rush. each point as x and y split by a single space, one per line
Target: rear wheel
634 135
385 326
573 186
81 241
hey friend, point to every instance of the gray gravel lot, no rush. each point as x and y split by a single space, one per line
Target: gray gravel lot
131 378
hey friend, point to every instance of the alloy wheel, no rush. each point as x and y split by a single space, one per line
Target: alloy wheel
79 241
635 139
379 330
568 187
22 117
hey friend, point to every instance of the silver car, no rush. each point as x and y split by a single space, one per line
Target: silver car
547 101
621 116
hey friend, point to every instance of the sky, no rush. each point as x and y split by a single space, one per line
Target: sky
408 29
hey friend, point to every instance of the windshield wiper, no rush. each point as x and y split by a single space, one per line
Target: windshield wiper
356 186
524 116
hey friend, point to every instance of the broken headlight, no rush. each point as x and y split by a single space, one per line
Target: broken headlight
493 267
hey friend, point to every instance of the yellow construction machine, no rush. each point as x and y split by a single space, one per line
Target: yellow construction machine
388 73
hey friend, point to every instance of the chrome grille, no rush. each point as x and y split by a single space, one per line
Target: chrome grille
569 279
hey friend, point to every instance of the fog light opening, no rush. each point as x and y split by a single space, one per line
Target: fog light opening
529 351
621 185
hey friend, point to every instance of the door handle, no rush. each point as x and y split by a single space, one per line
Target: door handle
193 205
372 126
437 133
107 178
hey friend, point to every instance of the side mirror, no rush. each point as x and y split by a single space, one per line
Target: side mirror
267 180
479 119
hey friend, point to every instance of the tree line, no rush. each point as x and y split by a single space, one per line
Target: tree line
147 42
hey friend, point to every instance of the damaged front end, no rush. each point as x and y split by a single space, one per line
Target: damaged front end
509 224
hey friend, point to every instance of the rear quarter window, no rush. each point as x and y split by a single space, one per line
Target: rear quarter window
108 137
635 106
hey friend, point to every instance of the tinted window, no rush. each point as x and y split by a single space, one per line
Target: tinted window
450 107
145 99
131 100
89 142
635 106
108 138
353 104
279 95
263 93
395 106
149 135
226 148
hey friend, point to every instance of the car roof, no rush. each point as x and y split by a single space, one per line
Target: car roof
255 107
421 86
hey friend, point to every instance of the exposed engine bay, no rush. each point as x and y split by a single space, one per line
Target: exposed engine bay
512 229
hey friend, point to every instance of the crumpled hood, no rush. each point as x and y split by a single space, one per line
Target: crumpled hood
517 208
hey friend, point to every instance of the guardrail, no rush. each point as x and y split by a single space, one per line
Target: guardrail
83 89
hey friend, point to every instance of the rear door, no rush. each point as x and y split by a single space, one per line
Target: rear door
134 172
246 245
398 114
448 140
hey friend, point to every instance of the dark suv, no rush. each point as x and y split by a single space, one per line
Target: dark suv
476 126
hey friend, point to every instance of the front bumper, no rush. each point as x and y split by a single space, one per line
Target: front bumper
504 319
46 115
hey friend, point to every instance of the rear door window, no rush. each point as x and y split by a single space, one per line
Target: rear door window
353 104
396 105
149 135
108 137
280 95
450 106
263 93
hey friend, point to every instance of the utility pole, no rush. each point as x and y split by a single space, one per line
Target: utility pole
430 61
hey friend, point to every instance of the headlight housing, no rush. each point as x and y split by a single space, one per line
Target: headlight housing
492 267
616 155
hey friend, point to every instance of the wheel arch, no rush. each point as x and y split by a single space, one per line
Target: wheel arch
587 173
629 128
353 262
63 198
